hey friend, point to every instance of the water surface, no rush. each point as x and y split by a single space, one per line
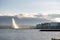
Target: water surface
26 34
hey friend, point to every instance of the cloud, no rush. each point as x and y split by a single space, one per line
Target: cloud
8 14
45 15
25 15
38 15
57 19
54 15
20 14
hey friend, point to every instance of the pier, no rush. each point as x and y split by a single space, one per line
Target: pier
55 39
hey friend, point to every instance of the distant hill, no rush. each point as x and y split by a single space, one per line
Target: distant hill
51 25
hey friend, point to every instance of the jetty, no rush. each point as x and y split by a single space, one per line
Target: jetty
55 39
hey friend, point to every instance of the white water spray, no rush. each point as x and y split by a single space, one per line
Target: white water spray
14 25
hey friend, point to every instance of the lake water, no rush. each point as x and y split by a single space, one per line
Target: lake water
26 34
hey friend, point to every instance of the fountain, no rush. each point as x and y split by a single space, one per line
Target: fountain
14 25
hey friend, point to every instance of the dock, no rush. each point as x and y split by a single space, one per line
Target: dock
49 29
55 39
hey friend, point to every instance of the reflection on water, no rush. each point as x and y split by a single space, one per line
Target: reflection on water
27 34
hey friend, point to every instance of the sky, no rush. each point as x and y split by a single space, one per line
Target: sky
45 9
30 6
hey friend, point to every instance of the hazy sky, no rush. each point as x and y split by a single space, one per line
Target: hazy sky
47 9
35 6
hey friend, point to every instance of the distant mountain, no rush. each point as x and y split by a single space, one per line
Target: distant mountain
22 21
6 20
